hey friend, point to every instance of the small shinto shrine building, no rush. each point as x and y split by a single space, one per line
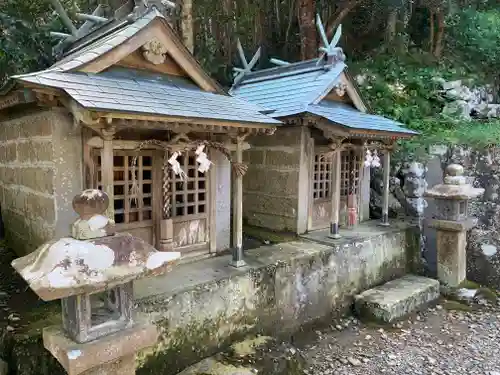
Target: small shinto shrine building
314 172
128 110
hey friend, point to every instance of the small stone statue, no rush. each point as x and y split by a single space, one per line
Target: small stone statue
90 205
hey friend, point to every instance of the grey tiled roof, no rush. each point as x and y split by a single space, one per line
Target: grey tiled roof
289 89
293 89
149 94
347 116
99 47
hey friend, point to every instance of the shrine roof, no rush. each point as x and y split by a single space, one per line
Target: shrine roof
288 90
300 88
126 90
350 117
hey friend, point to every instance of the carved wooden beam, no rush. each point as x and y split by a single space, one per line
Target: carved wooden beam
15 98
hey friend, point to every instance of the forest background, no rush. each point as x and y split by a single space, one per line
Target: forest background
401 51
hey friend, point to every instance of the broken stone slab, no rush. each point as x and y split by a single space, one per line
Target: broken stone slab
397 298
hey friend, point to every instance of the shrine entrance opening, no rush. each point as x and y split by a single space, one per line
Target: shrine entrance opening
322 188
139 211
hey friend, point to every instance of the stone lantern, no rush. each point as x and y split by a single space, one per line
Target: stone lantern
452 222
92 273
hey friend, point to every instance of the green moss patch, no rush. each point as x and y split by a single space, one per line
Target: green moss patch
263 234
457 306
467 284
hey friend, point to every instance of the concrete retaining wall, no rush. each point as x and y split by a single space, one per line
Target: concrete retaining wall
271 184
40 168
288 286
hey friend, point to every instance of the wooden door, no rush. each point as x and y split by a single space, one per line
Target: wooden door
350 179
189 200
322 179
134 209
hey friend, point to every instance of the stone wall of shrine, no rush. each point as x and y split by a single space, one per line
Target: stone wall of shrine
271 184
40 172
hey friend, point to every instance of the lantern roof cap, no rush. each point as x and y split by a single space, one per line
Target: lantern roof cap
67 266
455 187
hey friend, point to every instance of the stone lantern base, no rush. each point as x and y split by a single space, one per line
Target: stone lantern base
109 355
451 245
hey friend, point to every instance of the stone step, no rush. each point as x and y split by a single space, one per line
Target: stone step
397 298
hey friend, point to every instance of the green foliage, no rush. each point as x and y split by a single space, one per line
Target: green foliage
475 36
25 44
405 88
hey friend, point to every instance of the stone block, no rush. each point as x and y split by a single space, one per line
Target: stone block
15 222
11 175
253 156
10 152
288 136
36 125
34 151
112 354
11 131
451 257
284 159
397 298
39 179
261 203
273 222
41 232
41 206
285 183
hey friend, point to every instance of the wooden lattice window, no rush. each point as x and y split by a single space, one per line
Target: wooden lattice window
130 208
188 196
350 172
322 179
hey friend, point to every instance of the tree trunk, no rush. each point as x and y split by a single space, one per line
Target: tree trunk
391 28
307 27
187 24
432 32
439 40
339 16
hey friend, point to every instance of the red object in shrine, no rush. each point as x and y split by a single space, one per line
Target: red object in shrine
352 211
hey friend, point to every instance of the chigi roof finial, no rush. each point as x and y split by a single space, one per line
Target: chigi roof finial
247 66
330 49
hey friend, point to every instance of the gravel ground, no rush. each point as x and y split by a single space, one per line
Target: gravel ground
435 341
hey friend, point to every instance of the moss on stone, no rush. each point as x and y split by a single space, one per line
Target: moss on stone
180 348
488 294
457 306
467 284
263 234
249 346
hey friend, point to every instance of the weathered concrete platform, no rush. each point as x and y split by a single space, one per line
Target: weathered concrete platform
201 308
397 298
205 306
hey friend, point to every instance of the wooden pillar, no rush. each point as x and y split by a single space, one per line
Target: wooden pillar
385 196
334 224
237 253
107 169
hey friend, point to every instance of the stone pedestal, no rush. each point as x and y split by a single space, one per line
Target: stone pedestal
110 355
93 277
452 223
451 245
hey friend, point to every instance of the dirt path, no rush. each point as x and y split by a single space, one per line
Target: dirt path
436 341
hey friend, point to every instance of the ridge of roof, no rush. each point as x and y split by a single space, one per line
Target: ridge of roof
279 71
